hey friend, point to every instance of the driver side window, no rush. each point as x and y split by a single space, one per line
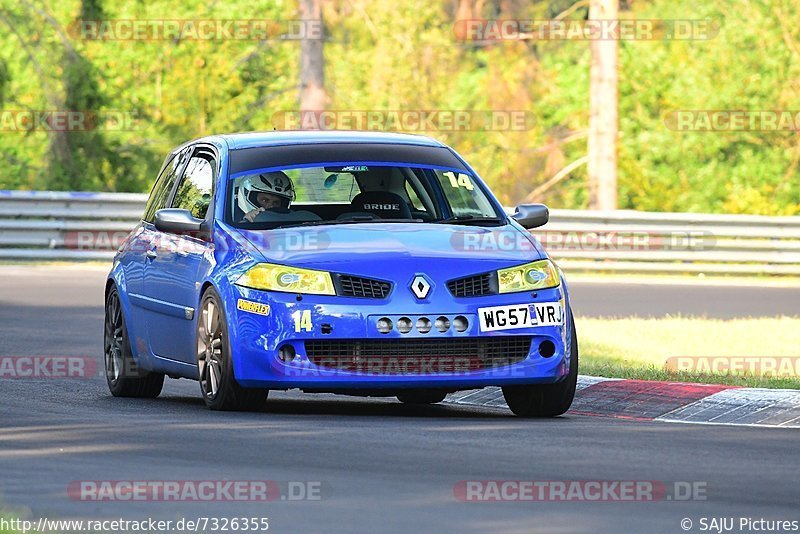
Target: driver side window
194 190
159 196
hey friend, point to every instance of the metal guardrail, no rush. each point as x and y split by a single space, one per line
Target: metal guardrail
49 226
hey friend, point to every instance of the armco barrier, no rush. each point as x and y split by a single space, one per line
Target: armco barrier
38 226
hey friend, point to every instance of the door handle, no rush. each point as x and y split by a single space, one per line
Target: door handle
151 254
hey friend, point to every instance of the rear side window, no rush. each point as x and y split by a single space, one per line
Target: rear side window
194 191
316 185
413 197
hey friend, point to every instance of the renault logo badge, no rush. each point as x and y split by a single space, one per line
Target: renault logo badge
420 287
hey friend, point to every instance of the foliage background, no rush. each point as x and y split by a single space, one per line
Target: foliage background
385 55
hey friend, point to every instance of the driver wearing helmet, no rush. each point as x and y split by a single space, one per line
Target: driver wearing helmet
266 191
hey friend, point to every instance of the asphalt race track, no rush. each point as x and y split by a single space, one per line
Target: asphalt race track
641 299
381 465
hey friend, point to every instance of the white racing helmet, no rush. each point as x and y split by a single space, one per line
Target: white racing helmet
275 183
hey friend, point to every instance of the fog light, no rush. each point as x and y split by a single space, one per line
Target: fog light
423 325
442 324
286 353
547 349
404 325
384 325
460 323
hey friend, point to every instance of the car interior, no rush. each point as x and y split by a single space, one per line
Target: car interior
390 193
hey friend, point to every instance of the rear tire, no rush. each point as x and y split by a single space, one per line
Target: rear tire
547 400
218 384
123 375
422 397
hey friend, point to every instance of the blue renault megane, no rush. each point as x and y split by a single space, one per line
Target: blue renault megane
357 263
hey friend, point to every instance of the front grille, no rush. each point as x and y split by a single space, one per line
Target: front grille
418 356
357 286
471 286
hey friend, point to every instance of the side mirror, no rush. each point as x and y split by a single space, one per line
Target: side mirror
531 215
177 221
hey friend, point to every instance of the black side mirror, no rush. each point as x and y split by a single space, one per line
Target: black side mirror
531 215
177 221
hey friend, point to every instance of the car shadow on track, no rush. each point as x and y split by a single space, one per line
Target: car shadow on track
325 404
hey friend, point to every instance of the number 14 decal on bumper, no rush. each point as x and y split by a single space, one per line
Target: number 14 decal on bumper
302 320
520 316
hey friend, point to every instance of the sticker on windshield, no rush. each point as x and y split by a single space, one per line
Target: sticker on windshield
462 180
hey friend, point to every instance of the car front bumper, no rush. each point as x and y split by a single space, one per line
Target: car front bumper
293 325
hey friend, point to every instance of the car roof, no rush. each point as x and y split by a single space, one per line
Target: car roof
309 137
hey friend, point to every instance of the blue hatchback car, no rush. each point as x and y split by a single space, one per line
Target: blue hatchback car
348 262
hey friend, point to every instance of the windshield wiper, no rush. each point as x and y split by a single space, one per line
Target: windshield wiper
353 220
468 219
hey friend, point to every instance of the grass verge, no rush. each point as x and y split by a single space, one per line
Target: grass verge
638 348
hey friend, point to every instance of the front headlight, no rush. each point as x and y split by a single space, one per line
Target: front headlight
288 279
540 274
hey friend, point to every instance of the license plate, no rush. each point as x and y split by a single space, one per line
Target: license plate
520 316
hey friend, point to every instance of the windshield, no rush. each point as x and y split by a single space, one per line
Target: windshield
356 193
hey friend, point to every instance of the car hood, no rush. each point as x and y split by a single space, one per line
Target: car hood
372 248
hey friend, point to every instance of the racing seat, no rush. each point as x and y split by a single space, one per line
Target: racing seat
383 204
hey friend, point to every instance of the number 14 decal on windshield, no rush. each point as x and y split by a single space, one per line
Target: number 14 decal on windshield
462 180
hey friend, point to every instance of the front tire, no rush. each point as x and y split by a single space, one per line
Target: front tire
547 400
124 377
218 384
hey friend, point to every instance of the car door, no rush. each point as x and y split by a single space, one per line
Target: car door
132 254
173 262
133 259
